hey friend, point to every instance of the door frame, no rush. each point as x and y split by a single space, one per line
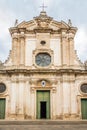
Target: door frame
4 107
79 111
81 108
42 100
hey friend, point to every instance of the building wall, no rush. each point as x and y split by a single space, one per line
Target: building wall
62 77
65 96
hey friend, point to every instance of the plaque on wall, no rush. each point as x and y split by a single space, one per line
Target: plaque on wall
84 88
2 88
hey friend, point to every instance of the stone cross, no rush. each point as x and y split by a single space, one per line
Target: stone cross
43 6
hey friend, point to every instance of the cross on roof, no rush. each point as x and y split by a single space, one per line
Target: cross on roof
43 6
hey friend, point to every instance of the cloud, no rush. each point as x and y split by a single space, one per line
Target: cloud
58 9
81 43
6 20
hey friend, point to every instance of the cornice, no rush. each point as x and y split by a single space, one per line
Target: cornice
44 71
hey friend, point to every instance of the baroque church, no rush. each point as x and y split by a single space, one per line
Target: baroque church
43 77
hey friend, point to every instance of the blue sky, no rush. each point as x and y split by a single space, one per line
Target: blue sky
25 10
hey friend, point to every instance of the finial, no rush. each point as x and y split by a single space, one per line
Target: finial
69 22
16 22
43 6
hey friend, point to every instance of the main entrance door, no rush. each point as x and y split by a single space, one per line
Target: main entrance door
43 104
84 108
2 108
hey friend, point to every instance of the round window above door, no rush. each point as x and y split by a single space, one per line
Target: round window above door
43 59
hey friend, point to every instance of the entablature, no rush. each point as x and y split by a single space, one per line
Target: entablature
42 71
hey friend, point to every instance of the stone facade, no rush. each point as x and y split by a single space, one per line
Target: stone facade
58 72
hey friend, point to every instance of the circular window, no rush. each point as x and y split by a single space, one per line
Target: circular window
84 88
2 87
43 59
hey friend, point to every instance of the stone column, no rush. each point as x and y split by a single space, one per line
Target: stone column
59 101
27 100
33 102
53 97
21 99
66 97
64 48
22 50
15 50
71 49
13 99
73 100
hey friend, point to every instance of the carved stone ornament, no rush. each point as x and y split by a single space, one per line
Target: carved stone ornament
43 83
43 20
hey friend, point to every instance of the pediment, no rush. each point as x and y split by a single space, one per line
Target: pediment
42 23
30 25
36 24
46 23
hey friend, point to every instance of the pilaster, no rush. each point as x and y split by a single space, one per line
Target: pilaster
15 50
64 48
71 48
22 50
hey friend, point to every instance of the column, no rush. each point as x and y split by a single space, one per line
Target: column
59 101
71 49
53 101
66 97
33 102
14 50
64 48
21 99
13 99
22 50
27 98
73 100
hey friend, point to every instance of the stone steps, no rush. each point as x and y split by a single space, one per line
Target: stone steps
41 122
43 125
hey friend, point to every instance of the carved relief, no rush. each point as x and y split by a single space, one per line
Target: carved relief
43 20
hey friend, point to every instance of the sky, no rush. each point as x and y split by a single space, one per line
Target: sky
25 10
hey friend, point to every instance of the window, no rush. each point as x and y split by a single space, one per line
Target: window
84 88
42 42
43 59
2 87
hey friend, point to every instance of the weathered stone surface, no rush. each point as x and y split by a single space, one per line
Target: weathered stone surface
43 125
63 74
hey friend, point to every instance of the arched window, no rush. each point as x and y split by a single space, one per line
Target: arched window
2 87
84 88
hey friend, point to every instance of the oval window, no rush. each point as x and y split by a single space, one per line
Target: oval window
43 42
2 87
84 88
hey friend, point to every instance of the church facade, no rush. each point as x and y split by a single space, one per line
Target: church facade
43 77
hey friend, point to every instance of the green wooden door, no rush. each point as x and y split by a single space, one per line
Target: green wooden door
84 108
44 98
2 108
